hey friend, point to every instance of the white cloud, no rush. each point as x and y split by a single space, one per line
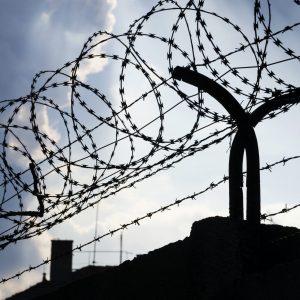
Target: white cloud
41 245
89 67
17 285
48 45
45 18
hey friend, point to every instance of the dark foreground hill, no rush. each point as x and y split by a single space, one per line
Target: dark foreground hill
219 260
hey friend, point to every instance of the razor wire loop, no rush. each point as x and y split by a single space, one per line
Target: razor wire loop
107 176
36 192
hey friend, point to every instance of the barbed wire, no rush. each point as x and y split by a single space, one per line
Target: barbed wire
162 209
133 146
282 211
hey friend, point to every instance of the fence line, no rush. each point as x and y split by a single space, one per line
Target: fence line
162 209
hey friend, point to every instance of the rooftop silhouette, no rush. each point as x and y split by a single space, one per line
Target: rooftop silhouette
219 260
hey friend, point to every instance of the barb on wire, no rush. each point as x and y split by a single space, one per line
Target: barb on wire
282 211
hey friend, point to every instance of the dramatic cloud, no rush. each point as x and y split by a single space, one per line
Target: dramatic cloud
39 35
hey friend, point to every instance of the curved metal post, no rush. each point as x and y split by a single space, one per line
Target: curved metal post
247 142
237 154
292 97
236 157
244 142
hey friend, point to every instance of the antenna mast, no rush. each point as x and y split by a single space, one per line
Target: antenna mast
96 233
121 247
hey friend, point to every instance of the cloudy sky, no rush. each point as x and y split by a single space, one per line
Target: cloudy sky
44 35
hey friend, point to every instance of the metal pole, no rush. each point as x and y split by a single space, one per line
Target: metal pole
96 233
121 247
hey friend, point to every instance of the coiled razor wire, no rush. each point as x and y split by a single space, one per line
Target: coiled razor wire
70 154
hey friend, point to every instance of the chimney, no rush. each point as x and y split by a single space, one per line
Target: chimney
61 260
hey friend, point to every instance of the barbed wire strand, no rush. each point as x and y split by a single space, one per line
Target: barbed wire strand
162 209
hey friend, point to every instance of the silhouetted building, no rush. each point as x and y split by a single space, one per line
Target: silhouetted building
221 259
61 261
60 272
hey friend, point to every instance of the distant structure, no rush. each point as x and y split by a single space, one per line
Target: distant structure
210 264
60 272
61 265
